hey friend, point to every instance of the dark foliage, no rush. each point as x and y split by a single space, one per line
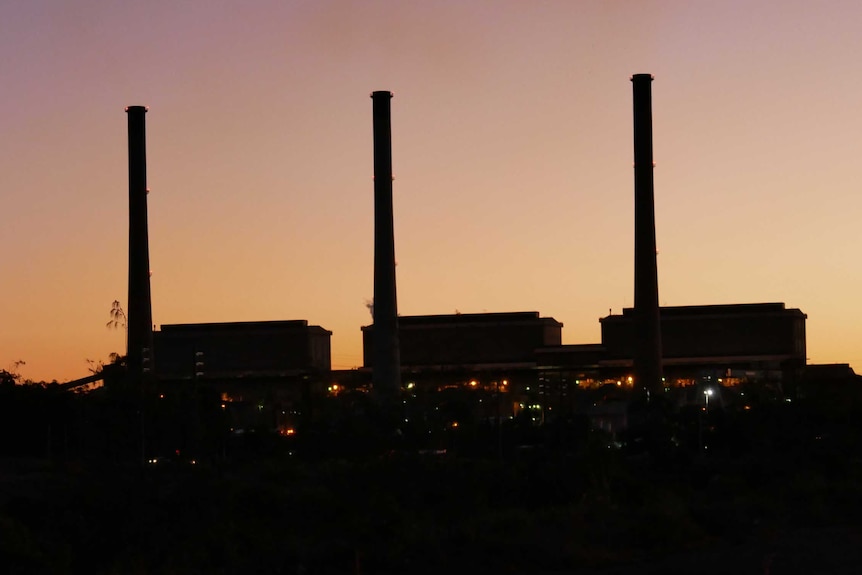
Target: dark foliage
354 492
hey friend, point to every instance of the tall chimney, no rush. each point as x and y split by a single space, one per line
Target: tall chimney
139 320
647 352
386 366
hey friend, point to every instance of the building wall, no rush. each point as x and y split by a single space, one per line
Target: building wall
242 348
469 339
715 331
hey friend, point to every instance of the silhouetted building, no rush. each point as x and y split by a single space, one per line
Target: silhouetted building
763 340
489 340
738 342
835 383
263 349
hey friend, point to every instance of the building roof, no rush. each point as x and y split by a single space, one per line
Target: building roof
240 326
408 321
714 310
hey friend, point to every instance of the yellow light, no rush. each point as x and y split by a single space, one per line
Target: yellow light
454 424
473 383
630 379
505 382
334 387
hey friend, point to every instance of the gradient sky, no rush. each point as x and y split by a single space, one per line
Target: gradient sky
512 151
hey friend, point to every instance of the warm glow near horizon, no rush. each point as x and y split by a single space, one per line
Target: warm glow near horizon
512 147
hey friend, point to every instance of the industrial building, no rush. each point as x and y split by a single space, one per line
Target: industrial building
474 340
740 341
264 372
754 341
241 349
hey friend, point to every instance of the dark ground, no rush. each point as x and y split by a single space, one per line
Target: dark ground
602 514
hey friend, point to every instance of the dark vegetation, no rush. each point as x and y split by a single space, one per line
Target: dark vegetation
77 494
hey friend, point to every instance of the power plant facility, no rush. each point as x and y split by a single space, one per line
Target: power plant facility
645 349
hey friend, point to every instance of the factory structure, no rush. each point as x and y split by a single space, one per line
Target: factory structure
647 348
738 342
267 372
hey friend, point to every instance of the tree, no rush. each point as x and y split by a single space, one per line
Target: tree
95 367
11 376
118 316
118 319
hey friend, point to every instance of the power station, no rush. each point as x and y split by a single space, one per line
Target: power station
646 348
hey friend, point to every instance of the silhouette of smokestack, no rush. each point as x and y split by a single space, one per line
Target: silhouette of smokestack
386 367
139 314
647 352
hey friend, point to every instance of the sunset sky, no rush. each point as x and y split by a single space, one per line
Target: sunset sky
512 153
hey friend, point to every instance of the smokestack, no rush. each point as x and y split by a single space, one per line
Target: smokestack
386 367
139 317
647 352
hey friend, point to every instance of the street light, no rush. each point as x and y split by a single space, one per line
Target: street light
706 394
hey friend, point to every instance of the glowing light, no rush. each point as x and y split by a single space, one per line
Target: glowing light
473 383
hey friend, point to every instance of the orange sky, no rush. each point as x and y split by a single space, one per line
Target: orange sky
512 151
